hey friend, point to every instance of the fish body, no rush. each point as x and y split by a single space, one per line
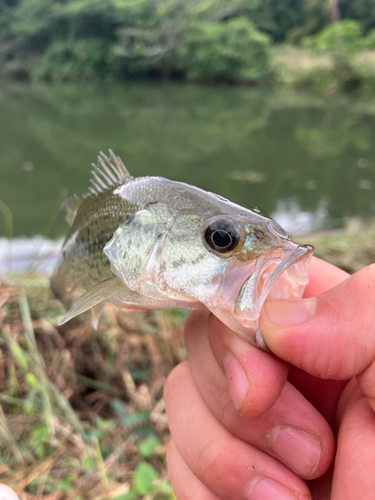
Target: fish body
154 243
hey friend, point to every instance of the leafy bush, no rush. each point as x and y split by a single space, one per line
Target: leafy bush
369 41
345 36
231 50
342 41
78 60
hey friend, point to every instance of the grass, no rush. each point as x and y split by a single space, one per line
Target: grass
81 412
298 68
351 248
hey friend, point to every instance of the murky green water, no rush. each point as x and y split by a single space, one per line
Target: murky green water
307 160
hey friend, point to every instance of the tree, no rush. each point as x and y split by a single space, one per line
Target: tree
233 50
335 10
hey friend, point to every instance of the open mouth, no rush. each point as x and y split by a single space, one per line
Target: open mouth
283 274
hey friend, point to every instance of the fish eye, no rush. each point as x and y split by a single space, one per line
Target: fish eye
222 236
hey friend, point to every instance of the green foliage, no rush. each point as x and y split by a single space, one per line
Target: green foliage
59 40
39 439
29 402
87 39
360 10
309 17
89 463
101 428
345 36
346 46
32 21
148 446
233 50
32 381
67 60
144 477
369 41
131 495
147 483
131 419
150 35
277 18
228 40
18 355
65 485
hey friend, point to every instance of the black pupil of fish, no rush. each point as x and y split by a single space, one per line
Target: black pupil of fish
221 239
222 236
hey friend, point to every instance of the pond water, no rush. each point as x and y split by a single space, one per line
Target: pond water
308 161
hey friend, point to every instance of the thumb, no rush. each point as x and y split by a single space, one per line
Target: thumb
330 336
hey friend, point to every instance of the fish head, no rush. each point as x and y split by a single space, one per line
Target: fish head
259 260
200 248
264 263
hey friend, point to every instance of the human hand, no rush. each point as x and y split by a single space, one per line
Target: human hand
283 434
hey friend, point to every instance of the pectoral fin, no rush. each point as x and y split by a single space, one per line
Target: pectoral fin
102 291
96 313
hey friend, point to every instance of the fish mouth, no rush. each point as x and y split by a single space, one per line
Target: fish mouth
282 274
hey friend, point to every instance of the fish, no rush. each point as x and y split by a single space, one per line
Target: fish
146 243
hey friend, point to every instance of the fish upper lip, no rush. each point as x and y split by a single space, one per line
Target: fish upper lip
249 302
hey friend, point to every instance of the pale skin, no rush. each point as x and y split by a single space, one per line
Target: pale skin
296 424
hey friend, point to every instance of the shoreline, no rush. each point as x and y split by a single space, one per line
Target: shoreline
289 67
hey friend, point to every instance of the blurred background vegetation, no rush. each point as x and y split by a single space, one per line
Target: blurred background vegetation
324 44
285 120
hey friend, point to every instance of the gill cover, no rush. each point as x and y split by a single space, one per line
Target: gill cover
159 253
133 246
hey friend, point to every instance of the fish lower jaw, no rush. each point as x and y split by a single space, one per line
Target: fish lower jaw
275 278
282 276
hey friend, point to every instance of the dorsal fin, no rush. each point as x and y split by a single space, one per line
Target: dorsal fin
108 172
70 206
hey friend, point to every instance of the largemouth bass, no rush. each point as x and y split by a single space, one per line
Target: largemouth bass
153 243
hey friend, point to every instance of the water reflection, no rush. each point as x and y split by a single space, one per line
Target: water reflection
28 255
295 221
254 146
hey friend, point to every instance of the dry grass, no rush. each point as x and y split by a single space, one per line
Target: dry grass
292 56
82 414
351 248
297 67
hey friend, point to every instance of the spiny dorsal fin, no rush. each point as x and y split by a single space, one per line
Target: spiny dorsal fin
101 291
107 173
70 206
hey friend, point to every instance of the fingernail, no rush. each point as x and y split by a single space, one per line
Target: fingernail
268 489
296 448
7 493
289 312
237 380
